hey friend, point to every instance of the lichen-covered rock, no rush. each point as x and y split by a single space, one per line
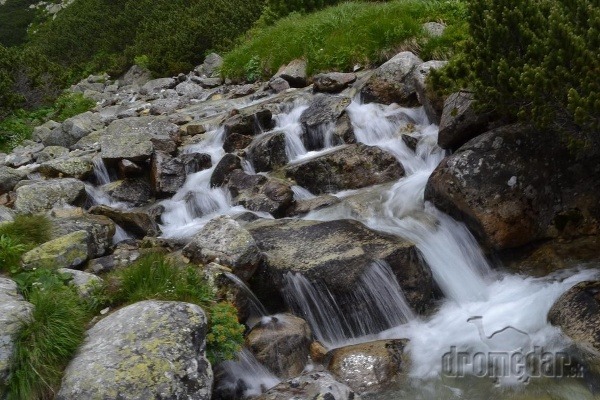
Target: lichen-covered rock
80 126
577 313
66 251
101 229
9 177
44 195
225 239
350 167
50 153
393 81
322 120
74 167
432 104
371 366
14 312
23 154
459 121
310 386
84 282
6 214
148 350
281 343
189 89
335 254
333 82
515 185
260 193
135 221
268 152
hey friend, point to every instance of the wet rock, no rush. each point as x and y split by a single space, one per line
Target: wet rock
324 113
310 386
305 206
371 366
137 222
44 195
223 170
225 239
260 193
335 254
410 141
14 312
295 73
393 82
249 124
9 177
268 152
129 169
84 282
150 349
333 82
167 174
515 185
278 84
459 122
350 167
195 162
155 86
431 102
236 141
67 251
70 167
281 344
101 229
136 191
577 313
51 153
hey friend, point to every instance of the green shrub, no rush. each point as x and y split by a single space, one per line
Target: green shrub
535 61
226 334
340 37
70 104
19 236
10 253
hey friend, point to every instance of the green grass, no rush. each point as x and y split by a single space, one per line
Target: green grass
20 236
339 37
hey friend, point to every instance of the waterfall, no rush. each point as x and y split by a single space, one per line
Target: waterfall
376 303
100 171
244 377
257 307
301 193
120 235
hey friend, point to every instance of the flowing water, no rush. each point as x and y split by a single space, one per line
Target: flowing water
479 303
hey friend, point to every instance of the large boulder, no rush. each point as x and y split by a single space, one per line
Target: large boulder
225 239
136 191
248 123
51 153
281 343
350 167
136 76
156 86
310 386
68 167
371 366
295 73
393 82
44 195
211 66
167 174
9 177
325 122
260 193
515 185
148 350
135 221
577 313
14 312
335 254
460 122
333 82
224 169
67 251
80 126
84 282
431 102
101 229
23 154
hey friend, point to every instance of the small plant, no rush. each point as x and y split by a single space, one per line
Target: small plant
10 253
225 337
143 61
253 69
19 236
70 104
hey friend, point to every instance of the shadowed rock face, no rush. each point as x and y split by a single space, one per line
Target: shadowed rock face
310 386
514 185
336 254
148 350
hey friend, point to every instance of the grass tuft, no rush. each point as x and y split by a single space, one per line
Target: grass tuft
20 236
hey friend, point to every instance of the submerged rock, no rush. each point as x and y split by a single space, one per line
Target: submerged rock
281 343
350 167
148 350
310 386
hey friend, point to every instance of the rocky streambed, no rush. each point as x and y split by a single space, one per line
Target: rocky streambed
381 228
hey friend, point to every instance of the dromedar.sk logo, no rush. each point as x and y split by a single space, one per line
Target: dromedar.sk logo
510 354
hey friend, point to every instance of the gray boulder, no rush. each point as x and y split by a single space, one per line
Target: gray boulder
333 82
135 221
260 193
167 174
23 154
135 76
43 131
156 86
6 214
268 152
310 386
51 153
189 89
393 81
224 169
80 126
14 312
136 191
460 122
335 254
9 177
194 162
68 251
225 239
281 343
350 167
166 106
305 206
295 73
278 84
211 66
44 195
371 366
249 124
325 113
101 229
68 167
431 102
84 282
148 350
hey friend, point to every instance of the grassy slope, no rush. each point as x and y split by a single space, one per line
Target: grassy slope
339 37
